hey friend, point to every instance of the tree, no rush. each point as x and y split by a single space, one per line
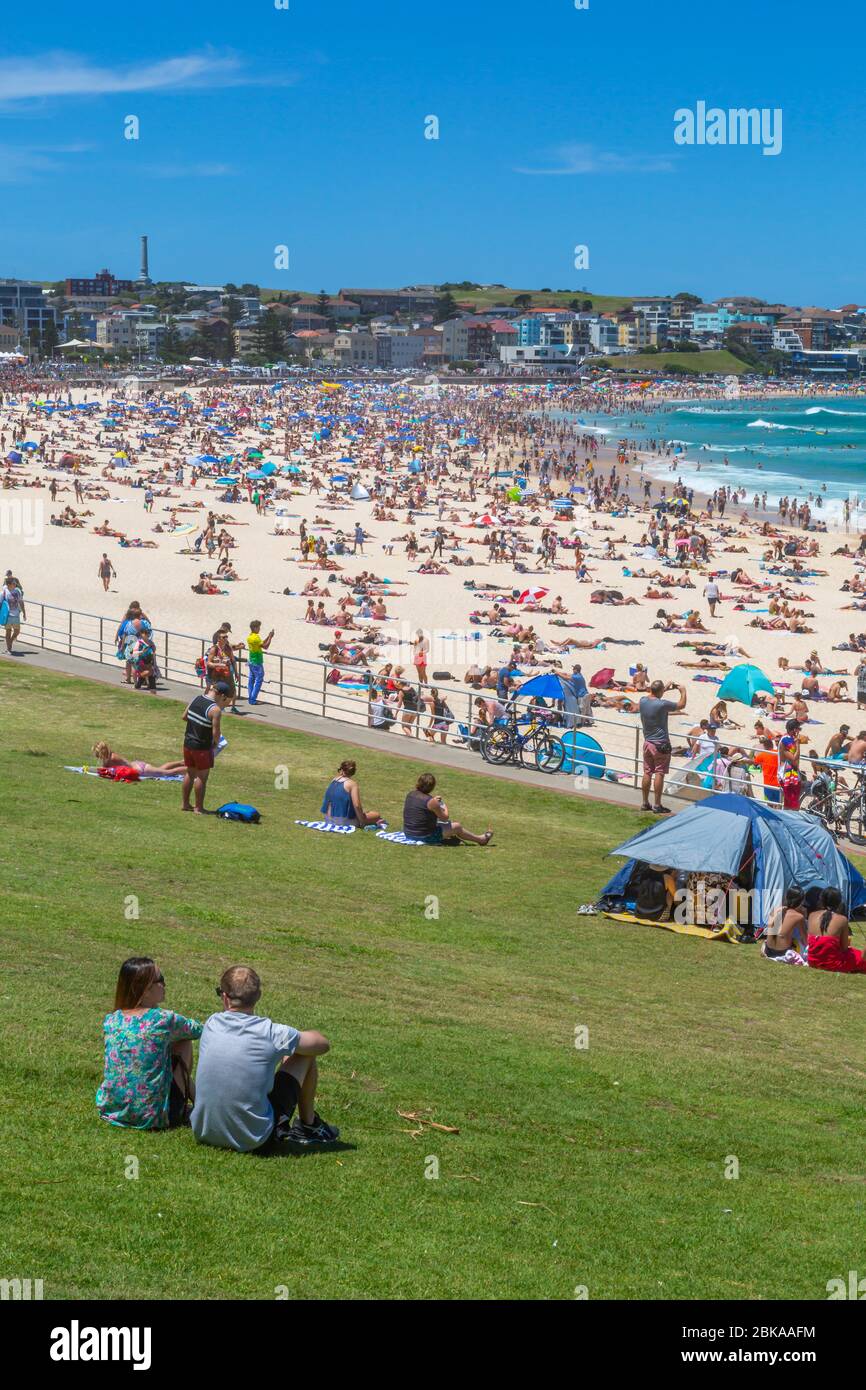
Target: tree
445 309
172 348
522 301
49 338
323 305
688 298
269 339
233 309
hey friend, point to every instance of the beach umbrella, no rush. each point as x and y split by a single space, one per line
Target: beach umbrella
602 678
743 683
268 469
534 595
207 458
30 445
13 456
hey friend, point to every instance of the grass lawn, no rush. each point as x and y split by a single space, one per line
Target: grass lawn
713 360
601 1168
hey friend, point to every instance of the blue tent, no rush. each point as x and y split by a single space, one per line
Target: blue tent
731 834
743 682
583 753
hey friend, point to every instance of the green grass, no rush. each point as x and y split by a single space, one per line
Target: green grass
714 360
484 298
601 1168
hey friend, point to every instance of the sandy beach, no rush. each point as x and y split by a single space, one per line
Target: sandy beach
368 443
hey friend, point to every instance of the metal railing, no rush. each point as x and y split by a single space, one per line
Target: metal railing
329 690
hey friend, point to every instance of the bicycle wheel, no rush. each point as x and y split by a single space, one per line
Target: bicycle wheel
497 745
855 820
527 746
550 754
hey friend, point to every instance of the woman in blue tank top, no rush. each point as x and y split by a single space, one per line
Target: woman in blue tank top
342 800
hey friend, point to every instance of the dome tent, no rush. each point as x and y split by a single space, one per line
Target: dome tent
734 835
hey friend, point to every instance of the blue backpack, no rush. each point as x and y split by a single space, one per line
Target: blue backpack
236 810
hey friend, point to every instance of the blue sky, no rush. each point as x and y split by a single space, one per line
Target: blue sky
304 127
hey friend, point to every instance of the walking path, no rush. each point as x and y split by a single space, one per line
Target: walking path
352 735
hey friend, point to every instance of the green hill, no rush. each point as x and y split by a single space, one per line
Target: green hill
717 360
452 983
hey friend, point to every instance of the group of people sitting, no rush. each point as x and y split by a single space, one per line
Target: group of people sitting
816 933
253 1073
426 817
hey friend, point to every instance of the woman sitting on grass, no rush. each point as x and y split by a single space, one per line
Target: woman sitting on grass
148 1053
830 937
342 804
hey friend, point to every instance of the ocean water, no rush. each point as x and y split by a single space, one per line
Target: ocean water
784 447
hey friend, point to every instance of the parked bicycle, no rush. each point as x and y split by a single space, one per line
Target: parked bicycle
533 746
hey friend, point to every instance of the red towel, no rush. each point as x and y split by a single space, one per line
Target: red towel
825 953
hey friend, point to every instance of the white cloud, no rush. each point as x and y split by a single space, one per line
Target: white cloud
24 163
586 159
61 74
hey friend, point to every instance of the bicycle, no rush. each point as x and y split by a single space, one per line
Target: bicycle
534 747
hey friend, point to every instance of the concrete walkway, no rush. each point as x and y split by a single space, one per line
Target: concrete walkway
416 750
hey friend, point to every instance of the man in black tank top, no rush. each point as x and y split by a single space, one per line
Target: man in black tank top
202 735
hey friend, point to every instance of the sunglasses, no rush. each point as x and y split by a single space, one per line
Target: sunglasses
159 979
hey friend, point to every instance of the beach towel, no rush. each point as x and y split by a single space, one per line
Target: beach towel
725 933
327 826
396 837
790 957
140 777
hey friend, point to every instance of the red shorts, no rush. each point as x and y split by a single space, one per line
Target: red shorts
654 761
198 759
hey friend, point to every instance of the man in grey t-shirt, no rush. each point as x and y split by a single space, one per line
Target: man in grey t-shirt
654 714
241 1102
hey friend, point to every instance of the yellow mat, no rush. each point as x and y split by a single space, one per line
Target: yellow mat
726 933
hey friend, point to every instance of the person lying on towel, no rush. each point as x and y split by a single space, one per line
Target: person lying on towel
108 758
830 937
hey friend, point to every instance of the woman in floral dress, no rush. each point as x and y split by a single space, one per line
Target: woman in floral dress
148 1053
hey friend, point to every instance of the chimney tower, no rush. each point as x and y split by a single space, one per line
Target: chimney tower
144 274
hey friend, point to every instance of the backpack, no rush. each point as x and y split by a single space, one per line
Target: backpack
651 898
236 810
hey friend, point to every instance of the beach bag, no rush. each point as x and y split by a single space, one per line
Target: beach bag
201 667
236 810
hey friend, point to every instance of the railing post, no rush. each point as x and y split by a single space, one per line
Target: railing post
418 715
101 621
42 624
324 688
165 668
636 756
281 682
70 631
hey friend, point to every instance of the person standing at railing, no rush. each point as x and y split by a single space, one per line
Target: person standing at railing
256 647
12 600
654 714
